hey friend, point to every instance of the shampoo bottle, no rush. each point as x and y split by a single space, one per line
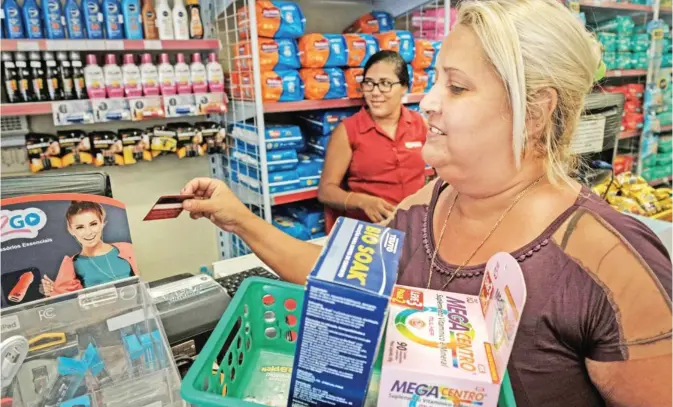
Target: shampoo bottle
164 20
78 76
53 19
74 21
149 16
215 74
54 84
198 76
166 75
114 22
180 21
65 76
195 23
113 77
133 23
13 21
131 77
32 19
94 78
150 76
93 19
183 79
38 76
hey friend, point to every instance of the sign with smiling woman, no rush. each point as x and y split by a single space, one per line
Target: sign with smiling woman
59 243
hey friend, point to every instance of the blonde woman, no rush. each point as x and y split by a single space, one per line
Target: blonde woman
513 75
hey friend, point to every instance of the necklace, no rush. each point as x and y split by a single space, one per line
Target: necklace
108 275
446 222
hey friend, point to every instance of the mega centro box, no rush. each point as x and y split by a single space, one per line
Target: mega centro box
451 350
344 313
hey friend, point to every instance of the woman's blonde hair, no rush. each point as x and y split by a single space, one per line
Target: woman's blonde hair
536 45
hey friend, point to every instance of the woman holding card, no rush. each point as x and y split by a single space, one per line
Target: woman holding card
512 78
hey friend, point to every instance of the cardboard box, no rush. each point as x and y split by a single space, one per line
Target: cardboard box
447 349
344 314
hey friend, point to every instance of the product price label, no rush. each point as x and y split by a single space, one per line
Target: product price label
150 107
657 34
106 110
180 105
27 45
152 44
72 113
589 135
211 103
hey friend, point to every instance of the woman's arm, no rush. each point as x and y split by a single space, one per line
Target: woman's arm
337 161
292 259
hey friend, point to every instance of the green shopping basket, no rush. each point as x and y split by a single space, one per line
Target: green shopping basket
256 336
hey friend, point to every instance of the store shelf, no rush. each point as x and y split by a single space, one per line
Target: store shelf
281 107
666 129
613 5
25 109
311 193
108 45
659 181
619 73
629 134
295 196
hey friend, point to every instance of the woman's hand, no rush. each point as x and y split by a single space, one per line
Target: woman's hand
215 201
376 208
47 286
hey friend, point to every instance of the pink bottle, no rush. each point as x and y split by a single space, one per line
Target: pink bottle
131 77
166 75
114 80
183 77
150 76
215 74
198 74
94 78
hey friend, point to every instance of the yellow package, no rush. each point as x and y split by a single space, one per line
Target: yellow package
647 201
628 205
663 193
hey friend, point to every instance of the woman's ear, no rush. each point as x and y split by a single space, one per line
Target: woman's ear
540 114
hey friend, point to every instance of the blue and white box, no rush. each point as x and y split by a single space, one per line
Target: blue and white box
344 314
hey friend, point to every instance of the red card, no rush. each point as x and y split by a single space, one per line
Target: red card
167 207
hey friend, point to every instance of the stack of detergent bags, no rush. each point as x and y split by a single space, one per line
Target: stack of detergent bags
297 66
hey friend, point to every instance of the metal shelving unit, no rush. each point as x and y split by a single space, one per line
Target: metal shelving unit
254 111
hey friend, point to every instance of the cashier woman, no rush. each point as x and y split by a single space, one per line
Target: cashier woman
512 79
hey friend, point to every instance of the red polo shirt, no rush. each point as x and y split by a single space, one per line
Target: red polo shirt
383 167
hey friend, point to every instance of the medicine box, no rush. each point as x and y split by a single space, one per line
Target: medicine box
344 313
450 350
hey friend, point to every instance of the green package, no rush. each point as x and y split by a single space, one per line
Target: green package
624 60
640 42
608 41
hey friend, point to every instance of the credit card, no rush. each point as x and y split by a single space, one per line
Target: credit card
167 207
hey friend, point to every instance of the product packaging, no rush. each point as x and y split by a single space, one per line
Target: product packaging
324 122
445 349
188 138
360 47
282 86
323 84
107 147
43 151
420 82
136 145
372 23
344 314
322 51
280 54
163 140
213 137
291 227
310 169
354 78
275 19
399 41
75 147
424 54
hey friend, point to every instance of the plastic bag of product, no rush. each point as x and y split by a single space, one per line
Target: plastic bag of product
322 51
624 60
372 23
322 84
359 48
279 54
424 56
420 82
282 86
398 41
275 19
354 77
623 43
620 24
640 42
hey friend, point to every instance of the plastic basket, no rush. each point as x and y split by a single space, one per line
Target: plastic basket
260 322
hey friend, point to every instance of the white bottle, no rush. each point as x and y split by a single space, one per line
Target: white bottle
164 20
114 80
215 74
94 78
150 76
166 75
183 78
131 77
198 74
180 21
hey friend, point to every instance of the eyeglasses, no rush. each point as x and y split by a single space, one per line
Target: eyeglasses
384 86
